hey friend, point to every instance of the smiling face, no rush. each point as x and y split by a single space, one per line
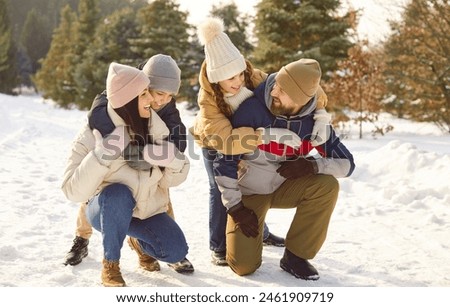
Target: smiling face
282 104
232 85
160 99
145 101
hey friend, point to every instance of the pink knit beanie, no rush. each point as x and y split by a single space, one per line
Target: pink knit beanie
124 83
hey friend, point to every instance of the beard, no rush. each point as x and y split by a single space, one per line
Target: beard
278 109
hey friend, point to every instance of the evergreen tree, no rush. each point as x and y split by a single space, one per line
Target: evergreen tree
88 16
323 34
55 78
8 68
290 29
163 29
277 29
111 44
236 26
35 39
418 62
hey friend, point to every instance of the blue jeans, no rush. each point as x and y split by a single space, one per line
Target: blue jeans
111 213
217 211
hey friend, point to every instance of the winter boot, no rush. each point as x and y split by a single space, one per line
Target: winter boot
273 240
111 276
219 258
300 268
78 251
147 262
183 266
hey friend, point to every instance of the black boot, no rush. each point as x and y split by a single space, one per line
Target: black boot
300 268
274 240
219 258
78 251
183 266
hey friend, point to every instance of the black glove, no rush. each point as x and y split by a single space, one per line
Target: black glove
293 169
245 219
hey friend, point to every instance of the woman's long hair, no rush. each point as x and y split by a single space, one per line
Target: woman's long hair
139 126
218 94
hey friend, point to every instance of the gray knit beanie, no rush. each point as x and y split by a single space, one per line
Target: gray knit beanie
163 73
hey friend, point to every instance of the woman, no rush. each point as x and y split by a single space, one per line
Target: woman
226 80
126 195
165 79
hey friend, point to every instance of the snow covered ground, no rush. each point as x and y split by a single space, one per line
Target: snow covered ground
390 227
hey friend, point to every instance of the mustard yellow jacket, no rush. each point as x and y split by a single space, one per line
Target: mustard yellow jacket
212 129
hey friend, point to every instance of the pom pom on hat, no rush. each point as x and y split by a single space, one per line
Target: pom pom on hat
223 59
124 83
209 29
300 80
164 73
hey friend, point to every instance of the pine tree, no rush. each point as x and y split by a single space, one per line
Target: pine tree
163 28
88 16
54 79
82 74
290 29
418 62
324 34
35 39
111 44
8 68
236 26
277 31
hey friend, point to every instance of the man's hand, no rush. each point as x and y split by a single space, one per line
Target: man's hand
293 169
245 219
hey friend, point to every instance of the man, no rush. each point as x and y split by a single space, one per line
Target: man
277 176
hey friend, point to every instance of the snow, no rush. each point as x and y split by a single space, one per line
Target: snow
389 229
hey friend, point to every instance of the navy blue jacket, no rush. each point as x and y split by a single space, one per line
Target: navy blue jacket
255 112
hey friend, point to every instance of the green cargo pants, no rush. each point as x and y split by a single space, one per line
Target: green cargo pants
314 197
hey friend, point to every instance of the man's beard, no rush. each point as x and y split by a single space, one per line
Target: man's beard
279 109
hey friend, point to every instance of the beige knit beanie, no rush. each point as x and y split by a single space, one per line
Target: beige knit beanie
124 83
223 59
300 79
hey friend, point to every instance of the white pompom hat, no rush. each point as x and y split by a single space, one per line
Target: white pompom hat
223 59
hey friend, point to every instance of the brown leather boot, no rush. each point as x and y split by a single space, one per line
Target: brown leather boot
111 276
147 262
